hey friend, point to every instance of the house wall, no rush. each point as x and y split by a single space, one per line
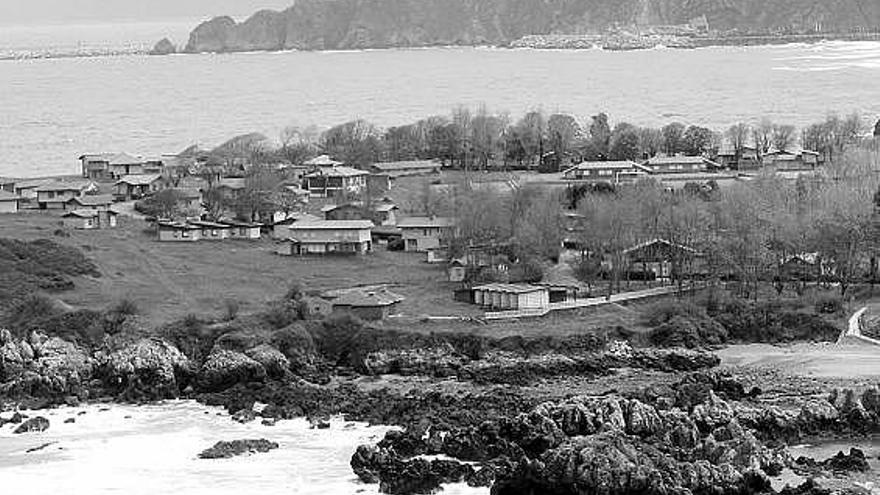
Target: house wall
56 199
214 234
331 235
281 231
178 235
422 239
81 223
309 247
247 233
8 206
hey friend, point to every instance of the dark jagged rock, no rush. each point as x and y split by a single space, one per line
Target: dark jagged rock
39 447
149 369
412 476
223 369
70 420
223 450
43 367
38 423
855 461
163 47
244 416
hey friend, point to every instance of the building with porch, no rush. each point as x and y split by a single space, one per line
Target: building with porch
240 230
329 237
132 187
54 195
90 219
424 233
680 165
662 258
331 181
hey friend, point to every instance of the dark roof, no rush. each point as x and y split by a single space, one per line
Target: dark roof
70 185
177 225
340 171
139 179
212 225
511 288
332 225
425 222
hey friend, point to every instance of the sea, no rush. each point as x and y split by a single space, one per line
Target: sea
145 450
55 105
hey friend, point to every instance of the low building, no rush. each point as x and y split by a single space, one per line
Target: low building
212 231
662 258
247 231
331 181
346 211
792 160
424 233
680 164
178 232
616 172
55 195
231 187
456 271
132 187
329 237
90 202
9 202
7 184
385 212
503 297
406 168
90 219
366 304
108 166
27 191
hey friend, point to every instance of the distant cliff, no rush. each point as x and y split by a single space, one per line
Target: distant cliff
352 24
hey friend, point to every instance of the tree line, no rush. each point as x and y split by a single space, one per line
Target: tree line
480 139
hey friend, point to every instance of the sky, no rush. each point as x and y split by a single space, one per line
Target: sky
26 12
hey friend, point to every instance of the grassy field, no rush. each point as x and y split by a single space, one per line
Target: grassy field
169 280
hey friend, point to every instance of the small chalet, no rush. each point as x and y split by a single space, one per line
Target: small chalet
406 168
424 233
104 166
749 158
329 237
618 172
502 297
249 231
663 258
55 195
178 232
27 191
9 202
212 231
369 304
90 202
189 199
281 228
90 219
680 164
329 181
132 187
322 161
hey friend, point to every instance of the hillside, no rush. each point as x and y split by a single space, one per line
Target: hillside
352 24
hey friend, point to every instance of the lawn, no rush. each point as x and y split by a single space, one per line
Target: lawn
169 280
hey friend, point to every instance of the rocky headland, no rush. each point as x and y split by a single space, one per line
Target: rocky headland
356 24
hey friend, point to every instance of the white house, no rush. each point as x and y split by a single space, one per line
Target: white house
511 296
329 237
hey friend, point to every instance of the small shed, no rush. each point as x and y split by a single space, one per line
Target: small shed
178 232
89 219
511 296
367 304
456 271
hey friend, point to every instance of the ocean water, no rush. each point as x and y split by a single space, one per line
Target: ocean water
153 449
53 110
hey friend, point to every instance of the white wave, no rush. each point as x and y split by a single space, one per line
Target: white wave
152 449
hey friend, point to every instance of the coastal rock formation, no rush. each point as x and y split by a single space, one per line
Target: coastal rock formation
39 366
163 47
273 361
224 450
38 423
224 369
353 24
149 369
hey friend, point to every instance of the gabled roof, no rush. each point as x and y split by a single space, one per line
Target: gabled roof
239 223
383 207
176 225
659 241
322 161
406 165
680 160
332 225
68 185
609 165
31 183
298 217
212 225
8 196
367 298
425 222
139 180
93 200
81 214
113 158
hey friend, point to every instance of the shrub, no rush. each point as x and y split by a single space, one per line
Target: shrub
282 313
663 311
828 305
683 331
30 310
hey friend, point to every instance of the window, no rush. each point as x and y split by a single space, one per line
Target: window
185 234
50 194
605 172
176 234
215 233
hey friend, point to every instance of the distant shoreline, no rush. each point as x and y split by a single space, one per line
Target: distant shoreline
534 42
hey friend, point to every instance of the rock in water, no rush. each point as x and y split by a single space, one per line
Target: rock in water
163 47
223 450
34 424
149 369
